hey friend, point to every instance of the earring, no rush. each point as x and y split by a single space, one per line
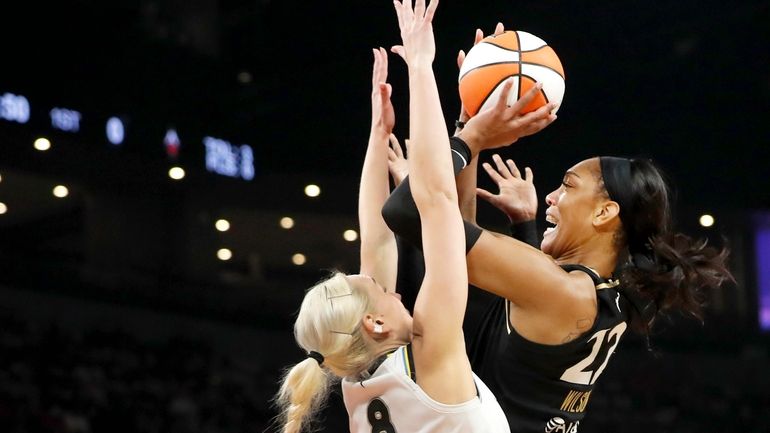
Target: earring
378 328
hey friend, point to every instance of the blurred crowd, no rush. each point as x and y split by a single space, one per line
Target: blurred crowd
57 380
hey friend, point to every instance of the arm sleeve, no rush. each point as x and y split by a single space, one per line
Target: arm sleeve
400 212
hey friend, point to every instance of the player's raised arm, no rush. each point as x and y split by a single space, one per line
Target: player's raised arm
440 306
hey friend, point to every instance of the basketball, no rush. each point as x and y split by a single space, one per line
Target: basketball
521 55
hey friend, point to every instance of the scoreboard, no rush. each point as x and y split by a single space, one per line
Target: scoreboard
218 155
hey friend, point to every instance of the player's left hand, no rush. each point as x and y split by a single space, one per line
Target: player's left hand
517 197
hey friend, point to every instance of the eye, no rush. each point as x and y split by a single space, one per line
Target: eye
566 185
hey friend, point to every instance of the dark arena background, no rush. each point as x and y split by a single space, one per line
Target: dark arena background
156 237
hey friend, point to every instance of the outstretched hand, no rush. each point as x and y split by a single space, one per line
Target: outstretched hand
397 164
502 125
517 196
418 44
383 116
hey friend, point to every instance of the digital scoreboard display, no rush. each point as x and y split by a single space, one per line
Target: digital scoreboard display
220 156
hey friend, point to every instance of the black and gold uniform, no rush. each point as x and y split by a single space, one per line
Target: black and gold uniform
546 388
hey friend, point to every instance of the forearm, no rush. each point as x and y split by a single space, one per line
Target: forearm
378 248
466 190
429 160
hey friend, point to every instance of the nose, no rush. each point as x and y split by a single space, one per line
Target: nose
550 199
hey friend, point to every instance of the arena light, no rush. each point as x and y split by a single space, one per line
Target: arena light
42 144
287 222
312 190
3 208
222 225
176 173
224 254
350 235
1 178
61 191
706 220
244 77
115 131
299 259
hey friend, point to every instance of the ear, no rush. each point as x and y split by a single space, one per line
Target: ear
375 327
606 215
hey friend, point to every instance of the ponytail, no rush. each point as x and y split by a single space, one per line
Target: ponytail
665 270
304 390
674 274
328 329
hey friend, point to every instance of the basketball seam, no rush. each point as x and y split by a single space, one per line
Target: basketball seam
543 66
545 95
501 47
486 65
493 91
518 88
534 49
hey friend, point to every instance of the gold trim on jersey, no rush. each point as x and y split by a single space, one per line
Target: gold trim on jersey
608 285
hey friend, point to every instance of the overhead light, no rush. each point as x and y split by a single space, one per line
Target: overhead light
244 77
222 225
224 254
3 208
287 222
706 220
61 191
298 259
350 235
42 144
312 190
176 173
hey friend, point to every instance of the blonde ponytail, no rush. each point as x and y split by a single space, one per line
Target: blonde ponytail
304 390
329 322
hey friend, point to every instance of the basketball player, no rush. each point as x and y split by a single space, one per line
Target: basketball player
400 373
609 261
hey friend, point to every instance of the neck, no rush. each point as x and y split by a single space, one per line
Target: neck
599 255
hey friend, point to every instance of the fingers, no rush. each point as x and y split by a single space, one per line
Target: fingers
492 173
383 64
399 13
419 8
501 167
502 101
431 11
460 59
399 49
478 37
526 99
486 195
394 144
512 166
529 176
499 29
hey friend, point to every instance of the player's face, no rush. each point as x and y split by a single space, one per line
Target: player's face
571 210
388 304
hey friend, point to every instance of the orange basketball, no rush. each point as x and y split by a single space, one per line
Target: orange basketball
521 55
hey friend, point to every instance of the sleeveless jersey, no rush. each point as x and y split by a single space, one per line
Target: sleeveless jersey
546 388
391 401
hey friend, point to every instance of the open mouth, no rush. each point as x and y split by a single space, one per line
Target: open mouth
553 222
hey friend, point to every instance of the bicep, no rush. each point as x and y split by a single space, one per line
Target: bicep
518 272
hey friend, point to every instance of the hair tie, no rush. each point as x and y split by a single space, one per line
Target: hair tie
317 356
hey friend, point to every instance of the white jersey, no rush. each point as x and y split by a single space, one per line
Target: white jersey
391 402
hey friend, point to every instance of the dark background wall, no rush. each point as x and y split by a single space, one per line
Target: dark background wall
116 313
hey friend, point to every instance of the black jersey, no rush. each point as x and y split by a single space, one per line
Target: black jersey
546 388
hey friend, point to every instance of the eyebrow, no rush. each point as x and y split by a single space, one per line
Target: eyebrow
570 172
